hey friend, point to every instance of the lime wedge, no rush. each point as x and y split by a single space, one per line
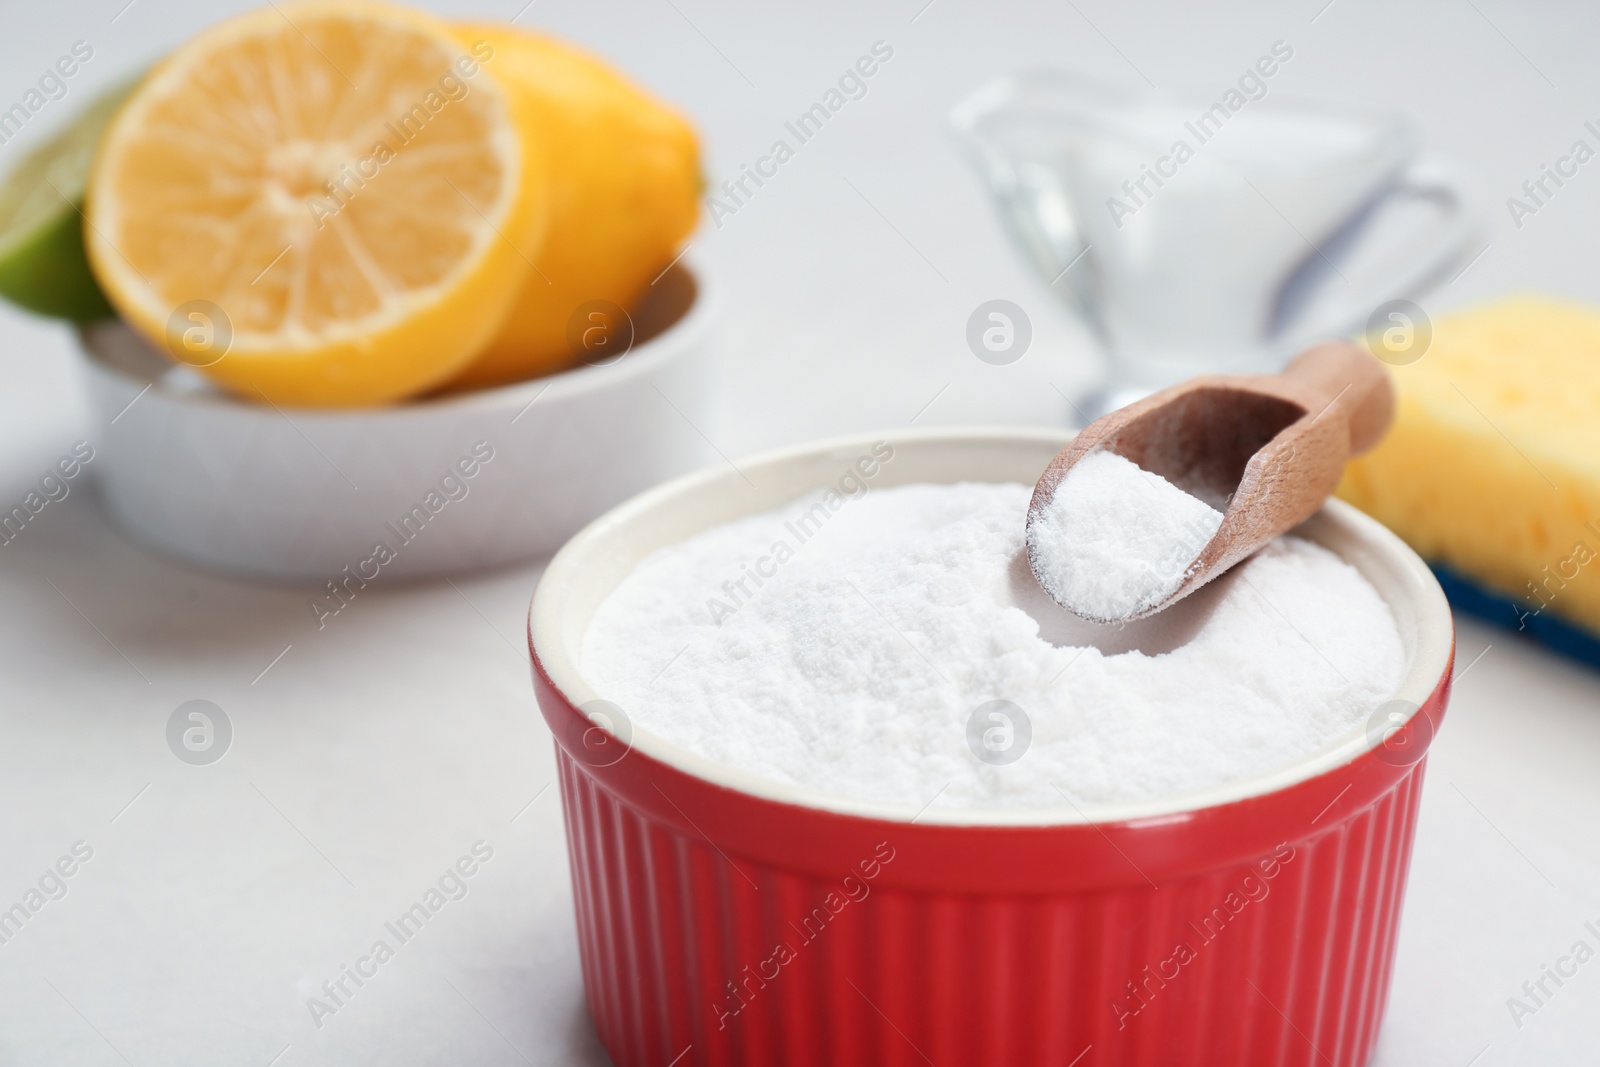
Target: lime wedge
42 263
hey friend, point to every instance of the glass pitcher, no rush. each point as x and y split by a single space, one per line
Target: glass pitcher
1192 238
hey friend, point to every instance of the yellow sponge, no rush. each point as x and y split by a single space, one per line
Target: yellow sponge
1493 465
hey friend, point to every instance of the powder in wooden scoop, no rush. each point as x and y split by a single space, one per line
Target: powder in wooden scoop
1115 538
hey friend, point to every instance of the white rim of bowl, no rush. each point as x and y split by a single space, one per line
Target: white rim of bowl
1409 579
643 359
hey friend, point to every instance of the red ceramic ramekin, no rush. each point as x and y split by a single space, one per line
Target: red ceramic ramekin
725 919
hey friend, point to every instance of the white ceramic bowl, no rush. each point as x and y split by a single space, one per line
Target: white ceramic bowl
447 483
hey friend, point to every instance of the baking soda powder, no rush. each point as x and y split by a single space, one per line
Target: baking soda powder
1116 539
905 653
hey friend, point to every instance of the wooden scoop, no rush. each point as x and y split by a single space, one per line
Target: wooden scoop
1266 450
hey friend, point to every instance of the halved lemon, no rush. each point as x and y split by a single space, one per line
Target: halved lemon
319 204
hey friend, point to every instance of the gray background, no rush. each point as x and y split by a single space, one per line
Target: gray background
373 754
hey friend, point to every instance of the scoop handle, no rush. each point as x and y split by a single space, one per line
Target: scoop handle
1350 379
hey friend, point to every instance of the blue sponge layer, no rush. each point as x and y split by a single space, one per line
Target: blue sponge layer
1567 638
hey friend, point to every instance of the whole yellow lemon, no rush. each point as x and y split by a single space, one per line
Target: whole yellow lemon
623 182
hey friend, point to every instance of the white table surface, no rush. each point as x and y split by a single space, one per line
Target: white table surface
371 755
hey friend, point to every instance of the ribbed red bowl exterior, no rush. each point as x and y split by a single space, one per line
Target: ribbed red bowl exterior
720 928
